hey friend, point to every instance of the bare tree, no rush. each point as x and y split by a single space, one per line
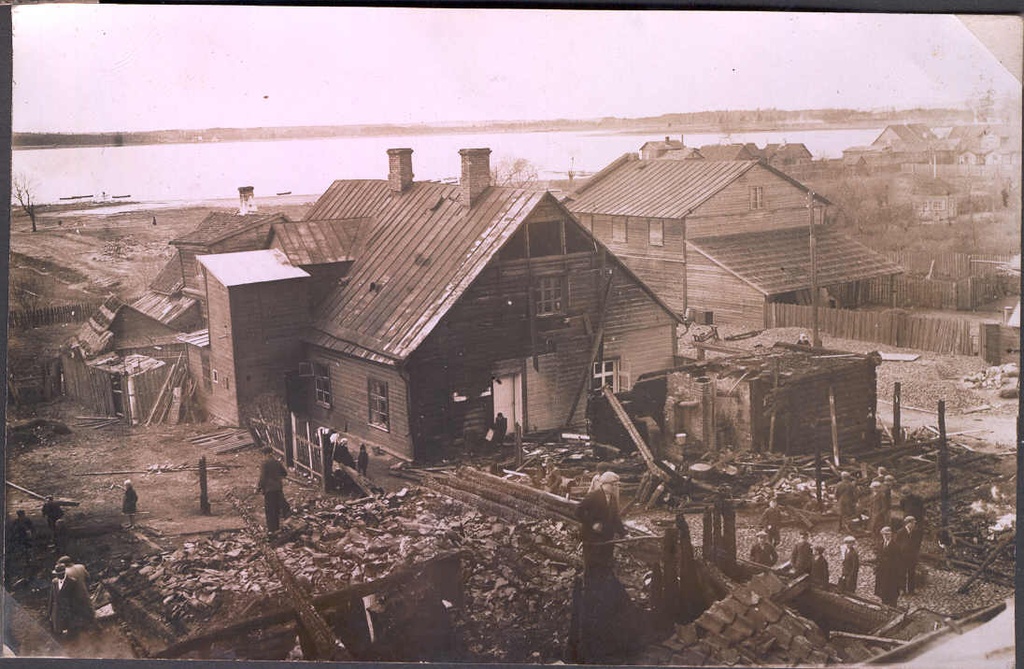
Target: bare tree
514 172
24 191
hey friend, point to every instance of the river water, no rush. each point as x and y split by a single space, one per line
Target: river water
200 171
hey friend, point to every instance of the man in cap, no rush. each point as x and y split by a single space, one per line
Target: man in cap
771 522
60 608
819 567
598 513
78 577
851 565
762 552
801 557
908 539
912 504
888 569
271 484
846 500
879 509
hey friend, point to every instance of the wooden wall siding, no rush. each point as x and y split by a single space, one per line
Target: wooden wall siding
193 354
253 239
638 235
188 266
894 327
223 401
728 212
89 386
711 288
268 320
999 344
667 278
964 294
349 411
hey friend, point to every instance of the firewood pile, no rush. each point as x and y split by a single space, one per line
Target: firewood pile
328 545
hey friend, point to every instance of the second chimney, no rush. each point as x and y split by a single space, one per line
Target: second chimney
476 174
246 200
399 169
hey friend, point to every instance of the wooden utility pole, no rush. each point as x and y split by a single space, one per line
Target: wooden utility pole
519 445
815 334
943 466
817 465
835 427
204 499
897 424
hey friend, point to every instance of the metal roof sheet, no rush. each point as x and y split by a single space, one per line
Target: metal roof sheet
163 308
655 188
170 279
778 261
219 225
246 267
350 198
726 152
319 242
200 338
424 251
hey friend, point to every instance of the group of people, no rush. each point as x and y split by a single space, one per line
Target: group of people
70 605
810 560
336 452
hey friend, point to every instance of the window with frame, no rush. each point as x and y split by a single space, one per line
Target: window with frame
606 373
619 230
656 233
757 197
380 416
550 295
322 384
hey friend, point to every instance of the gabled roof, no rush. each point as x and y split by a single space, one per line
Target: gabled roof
912 133
779 261
169 281
684 153
95 335
163 308
427 249
666 144
218 226
319 242
727 152
798 150
247 267
660 188
350 198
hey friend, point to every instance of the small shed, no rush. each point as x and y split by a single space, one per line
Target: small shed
112 385
781 399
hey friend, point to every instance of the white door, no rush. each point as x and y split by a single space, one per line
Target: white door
507 391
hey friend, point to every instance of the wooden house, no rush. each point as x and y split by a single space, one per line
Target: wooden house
468 300
705 235
730 152
787 155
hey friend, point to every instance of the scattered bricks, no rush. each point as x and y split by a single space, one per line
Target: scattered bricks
673 643
733 606
712 624
756 618
771 582
745 595
770 610
794 625
817 657
783 637
716 643
737 631
686 634
800 649
729 656
763 642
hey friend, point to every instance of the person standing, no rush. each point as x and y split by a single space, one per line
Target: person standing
81 609
762 552
851 565
130 502
21 534
801 558
819 567
271 484
500 429
771 522
600 523
908 540
888 569
846 500
912 504
879 509
53 512
363 461
61 604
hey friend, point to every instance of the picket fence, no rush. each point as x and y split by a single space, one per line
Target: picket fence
893 327
965 294
26 319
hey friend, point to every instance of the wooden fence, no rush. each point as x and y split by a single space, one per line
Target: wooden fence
892 327
965 294
950 171
309 457
948 265
55 315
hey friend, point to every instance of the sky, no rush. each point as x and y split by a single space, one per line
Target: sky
81 68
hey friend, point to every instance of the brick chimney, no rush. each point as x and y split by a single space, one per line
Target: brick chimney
246 200
399 169
476 174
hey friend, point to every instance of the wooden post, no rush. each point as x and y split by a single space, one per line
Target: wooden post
943 466
835 429
816 335
519 445
204 499
817 466
897 423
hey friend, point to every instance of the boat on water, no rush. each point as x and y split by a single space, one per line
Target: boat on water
287 192
120 197
76 197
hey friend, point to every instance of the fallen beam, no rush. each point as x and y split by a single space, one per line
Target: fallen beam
648 456
867 637
1003 543
31 493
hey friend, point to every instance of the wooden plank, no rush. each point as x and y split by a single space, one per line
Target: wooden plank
641 446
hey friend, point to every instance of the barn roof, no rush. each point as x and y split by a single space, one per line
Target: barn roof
727 152
247 267
350 198
427 249
778 261
163 308
319 242
660 188
169 281
219 225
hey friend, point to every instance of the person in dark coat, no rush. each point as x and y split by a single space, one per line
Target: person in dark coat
130 502
20 535
363 461
771 522
271 484
912 504
53 512
819 567
341 452
851 565
888 569
801 557
60 608
82 612
600 523
846 500
500 429
908 539
879 509
762 552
